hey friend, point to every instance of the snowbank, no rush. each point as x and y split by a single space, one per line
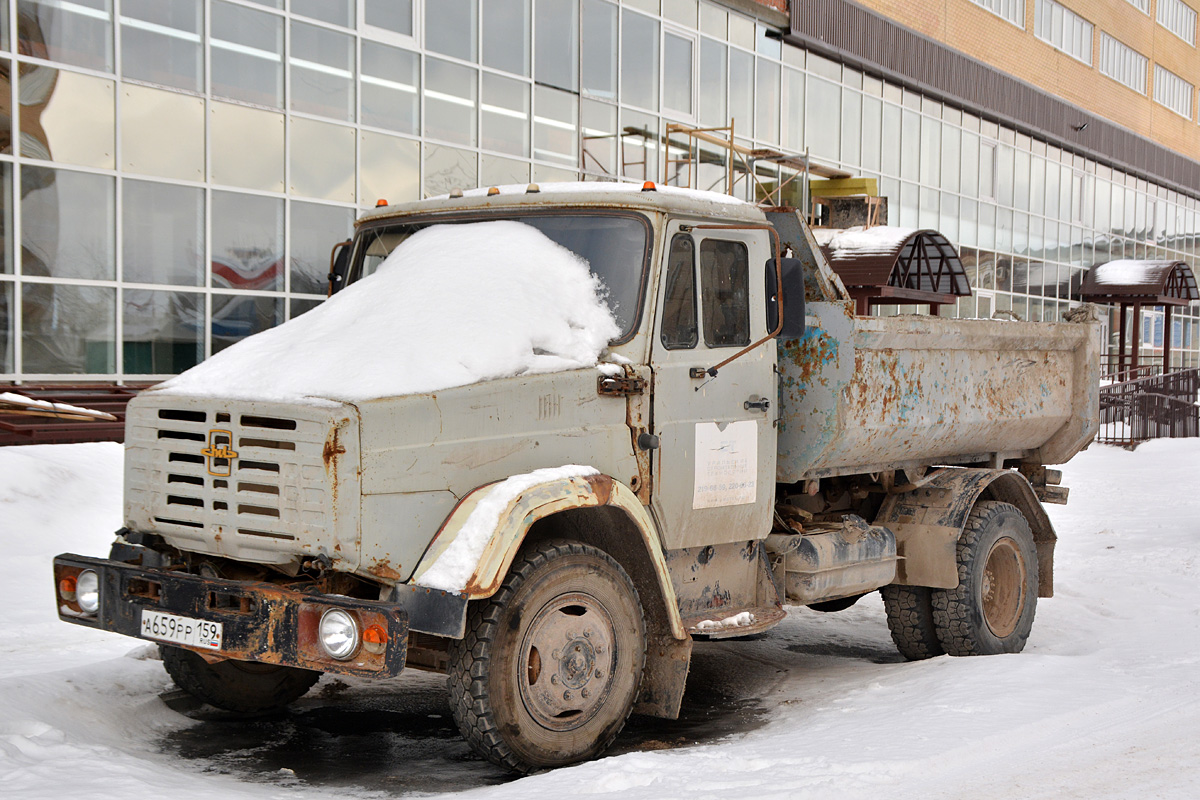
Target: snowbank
455 566
862 241
452 305
1103 702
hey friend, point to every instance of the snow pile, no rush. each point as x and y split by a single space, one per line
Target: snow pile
848 242
736 621
452 305
1103 702
456 564
19 402
610 187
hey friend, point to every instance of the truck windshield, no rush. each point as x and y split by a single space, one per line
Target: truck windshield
616 246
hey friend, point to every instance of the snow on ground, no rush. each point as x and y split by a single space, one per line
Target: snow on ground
1104 702
452 305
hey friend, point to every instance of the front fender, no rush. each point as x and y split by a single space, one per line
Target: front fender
534 503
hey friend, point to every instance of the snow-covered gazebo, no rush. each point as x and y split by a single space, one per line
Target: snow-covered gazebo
1140 283
895 265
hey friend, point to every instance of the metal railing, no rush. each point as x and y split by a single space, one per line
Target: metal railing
1154 407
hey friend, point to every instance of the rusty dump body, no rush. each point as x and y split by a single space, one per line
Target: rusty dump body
867 394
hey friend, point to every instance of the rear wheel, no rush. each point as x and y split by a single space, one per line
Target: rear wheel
991 611
243 686
551 665
910 619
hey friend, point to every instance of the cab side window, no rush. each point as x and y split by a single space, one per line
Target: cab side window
725 283
679 302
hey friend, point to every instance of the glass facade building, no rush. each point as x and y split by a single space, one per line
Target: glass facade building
175 172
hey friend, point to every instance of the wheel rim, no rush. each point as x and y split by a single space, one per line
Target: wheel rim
1003 587
566 663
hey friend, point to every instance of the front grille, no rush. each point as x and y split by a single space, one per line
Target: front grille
226 480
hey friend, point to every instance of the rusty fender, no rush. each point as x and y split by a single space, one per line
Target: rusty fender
928 520
539 502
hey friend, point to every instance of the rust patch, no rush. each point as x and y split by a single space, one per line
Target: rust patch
383 569
601 487
333 448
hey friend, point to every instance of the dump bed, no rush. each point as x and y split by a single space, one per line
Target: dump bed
865 394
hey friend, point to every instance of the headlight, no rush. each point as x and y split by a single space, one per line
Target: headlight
87 591
338 633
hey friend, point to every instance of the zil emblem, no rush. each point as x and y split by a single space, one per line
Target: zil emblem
219 453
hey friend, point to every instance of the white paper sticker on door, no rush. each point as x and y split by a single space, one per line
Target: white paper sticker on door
726 464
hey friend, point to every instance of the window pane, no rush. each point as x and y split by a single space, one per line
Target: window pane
741 92
79 32
557 41
599 138
555 134
392 15
851 126
505 112
67 117
910 145
890 156
389 88
234 317
450 28
6 218
246 52
162 133
160 42
389 169
506 35
679 301
322 68
793 92
599 49
639 61
68 329
766 102
247 147
68 224
335 12
315 229
951 156
448 168
7 317
163 331
322 160
640 161
496 171
247 243
725 287
450 94
712 83
822 118
163 227
677 74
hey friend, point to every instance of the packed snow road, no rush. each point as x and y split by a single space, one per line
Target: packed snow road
1104 702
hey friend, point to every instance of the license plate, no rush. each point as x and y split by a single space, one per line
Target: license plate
181 630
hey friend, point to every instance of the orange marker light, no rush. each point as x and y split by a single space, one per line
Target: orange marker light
493 191
66 588
375 635
380 203
649 186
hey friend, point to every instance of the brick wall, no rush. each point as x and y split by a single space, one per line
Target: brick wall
975 31
778 5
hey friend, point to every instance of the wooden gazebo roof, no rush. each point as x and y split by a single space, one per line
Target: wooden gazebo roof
895 265
1149 283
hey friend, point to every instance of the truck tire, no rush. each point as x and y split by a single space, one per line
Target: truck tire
551 665
243 686
910 619
991 611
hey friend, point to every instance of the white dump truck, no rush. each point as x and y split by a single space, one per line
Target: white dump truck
744 447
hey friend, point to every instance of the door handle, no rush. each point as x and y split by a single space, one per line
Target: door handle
757 403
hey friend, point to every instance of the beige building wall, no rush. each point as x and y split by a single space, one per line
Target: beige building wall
971 29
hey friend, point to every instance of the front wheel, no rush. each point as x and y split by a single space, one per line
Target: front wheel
991 611
551 665
243 686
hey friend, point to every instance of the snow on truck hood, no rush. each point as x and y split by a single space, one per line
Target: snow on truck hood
452 305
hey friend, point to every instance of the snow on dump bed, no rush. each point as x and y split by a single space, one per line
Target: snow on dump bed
452 305
862 241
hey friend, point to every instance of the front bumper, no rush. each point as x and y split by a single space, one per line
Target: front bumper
261 621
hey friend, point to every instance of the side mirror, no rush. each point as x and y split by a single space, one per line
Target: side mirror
339 265
790 297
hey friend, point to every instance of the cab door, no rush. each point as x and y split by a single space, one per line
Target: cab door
714 477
